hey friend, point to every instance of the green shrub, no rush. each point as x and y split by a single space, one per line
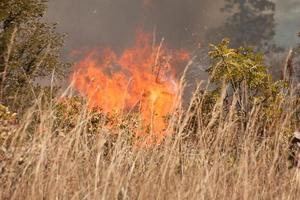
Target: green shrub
245 75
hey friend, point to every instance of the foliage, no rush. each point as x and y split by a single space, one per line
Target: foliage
239 84
246 74
7 124
29 51
6 115
70 112
250 23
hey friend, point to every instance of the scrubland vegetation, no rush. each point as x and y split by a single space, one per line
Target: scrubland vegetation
229 144
234 140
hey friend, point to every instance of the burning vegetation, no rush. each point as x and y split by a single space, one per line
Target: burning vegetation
238 137
140 80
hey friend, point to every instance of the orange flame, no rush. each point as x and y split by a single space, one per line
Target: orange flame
141 79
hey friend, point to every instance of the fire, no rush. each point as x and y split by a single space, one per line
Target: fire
141 79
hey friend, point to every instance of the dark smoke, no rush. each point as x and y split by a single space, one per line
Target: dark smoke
93 23
183 23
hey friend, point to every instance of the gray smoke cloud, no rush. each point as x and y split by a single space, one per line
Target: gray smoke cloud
288 22
92 23
96 23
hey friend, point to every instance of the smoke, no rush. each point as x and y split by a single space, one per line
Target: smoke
182 23
288 23
94 23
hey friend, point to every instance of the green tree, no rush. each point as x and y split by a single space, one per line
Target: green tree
239 82
250 23
246 75
29 51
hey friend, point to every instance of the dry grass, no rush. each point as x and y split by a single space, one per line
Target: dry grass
221 160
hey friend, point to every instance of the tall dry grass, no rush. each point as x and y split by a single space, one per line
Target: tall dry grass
221 159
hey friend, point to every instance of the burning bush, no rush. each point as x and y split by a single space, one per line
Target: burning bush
141 80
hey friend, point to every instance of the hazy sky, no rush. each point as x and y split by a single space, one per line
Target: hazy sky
92 23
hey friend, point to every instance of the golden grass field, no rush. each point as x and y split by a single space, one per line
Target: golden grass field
224 159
